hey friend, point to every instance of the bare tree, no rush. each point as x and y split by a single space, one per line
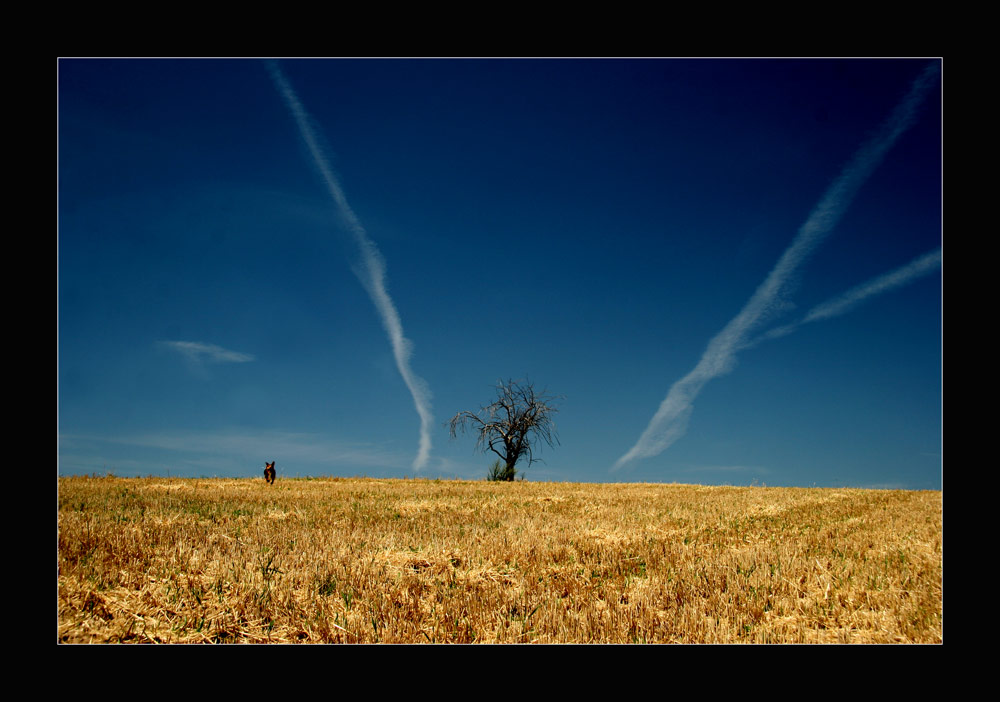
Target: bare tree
511 425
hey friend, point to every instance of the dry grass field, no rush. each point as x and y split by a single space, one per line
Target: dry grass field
416 561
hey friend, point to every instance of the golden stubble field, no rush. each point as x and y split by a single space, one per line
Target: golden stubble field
416 561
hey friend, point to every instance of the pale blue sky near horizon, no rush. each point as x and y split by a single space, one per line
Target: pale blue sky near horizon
590 224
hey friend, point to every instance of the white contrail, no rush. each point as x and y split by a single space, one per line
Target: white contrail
897 278
198 351
373 274
845 302
670 421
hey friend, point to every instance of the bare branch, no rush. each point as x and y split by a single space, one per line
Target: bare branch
511 425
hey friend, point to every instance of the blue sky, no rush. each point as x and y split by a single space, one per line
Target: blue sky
729 269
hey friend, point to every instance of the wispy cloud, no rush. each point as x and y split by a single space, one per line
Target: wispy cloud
726 469
895 279
670 421
229 452
239 452
917 268
372 273
200 352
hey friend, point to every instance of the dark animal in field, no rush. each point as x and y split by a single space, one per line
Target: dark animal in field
269 473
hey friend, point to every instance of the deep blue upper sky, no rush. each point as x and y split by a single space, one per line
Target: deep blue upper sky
588 224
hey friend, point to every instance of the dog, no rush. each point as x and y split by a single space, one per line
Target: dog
269 473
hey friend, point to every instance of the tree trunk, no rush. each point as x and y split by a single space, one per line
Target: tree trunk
509 472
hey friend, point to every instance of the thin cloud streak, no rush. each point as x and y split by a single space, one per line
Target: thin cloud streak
372 272
198 352
234 452
670 421
895 279
917 268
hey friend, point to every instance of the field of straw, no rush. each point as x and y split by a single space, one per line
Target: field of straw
418 561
